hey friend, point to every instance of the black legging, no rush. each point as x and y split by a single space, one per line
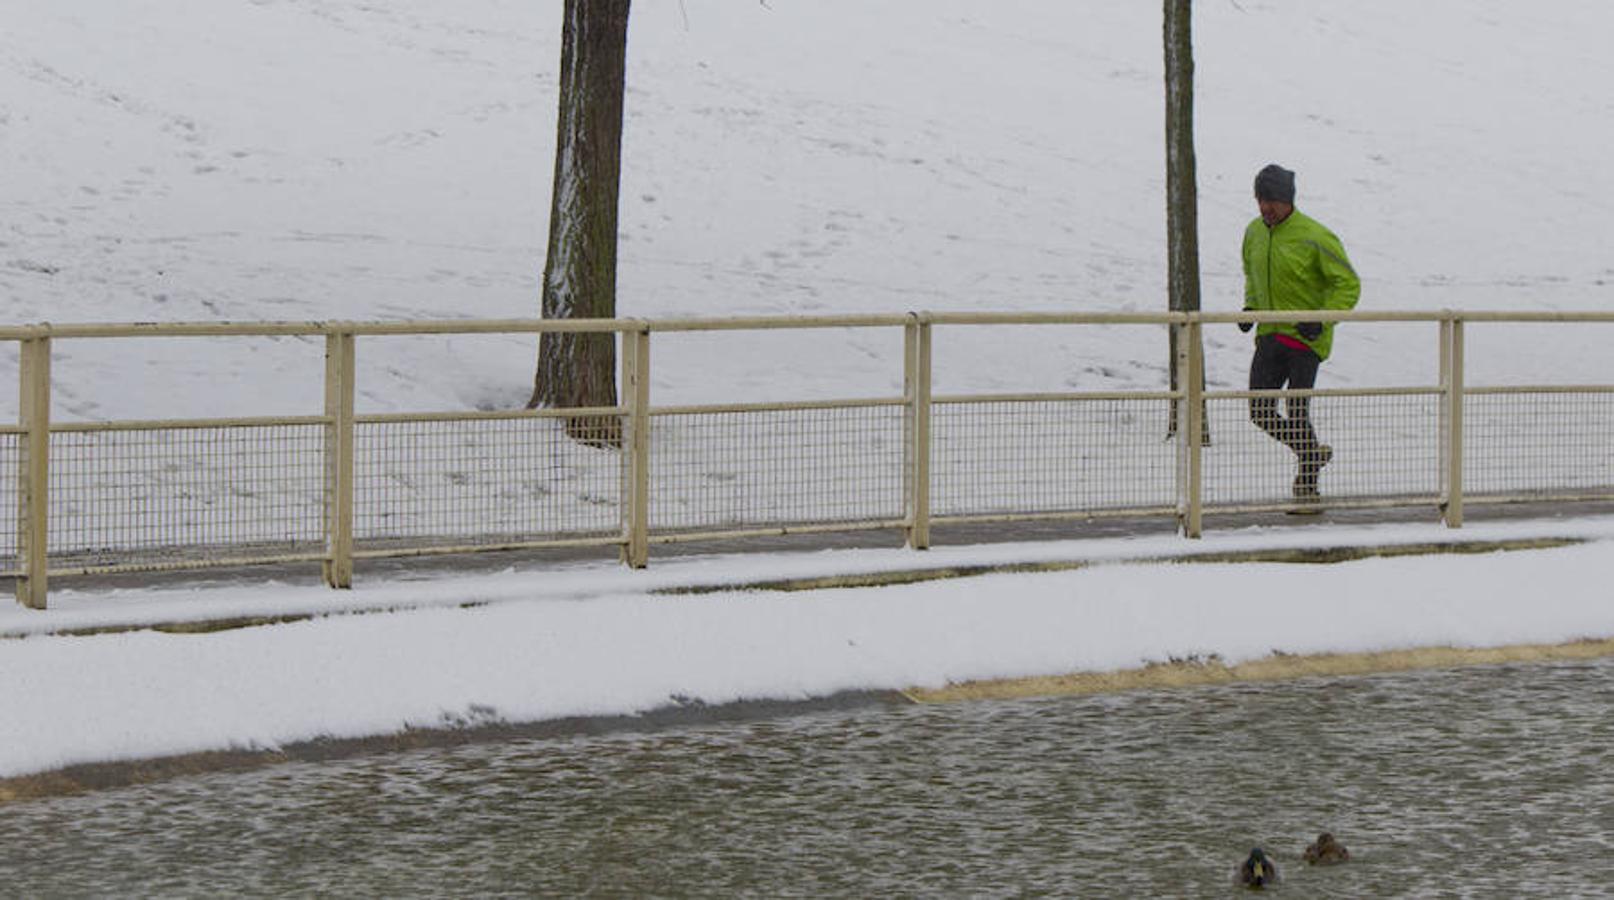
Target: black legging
1277 365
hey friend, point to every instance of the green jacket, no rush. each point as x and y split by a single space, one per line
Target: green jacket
1298 264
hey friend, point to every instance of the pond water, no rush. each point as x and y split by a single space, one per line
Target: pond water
1475 782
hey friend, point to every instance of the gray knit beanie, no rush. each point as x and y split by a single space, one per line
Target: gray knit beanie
1275 183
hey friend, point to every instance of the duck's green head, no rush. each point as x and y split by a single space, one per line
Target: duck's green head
1260 871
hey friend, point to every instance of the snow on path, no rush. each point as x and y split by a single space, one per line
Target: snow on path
593 641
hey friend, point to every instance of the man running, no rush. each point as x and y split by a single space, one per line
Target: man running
1292 263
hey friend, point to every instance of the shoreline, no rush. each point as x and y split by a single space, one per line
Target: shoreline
1204 672
1183 673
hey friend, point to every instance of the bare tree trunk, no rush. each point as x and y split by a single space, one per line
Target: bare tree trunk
579 370
1182 191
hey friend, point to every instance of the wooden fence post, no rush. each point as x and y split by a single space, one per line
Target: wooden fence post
916 391
1451 358
339 390
1191 356
636 449
34 472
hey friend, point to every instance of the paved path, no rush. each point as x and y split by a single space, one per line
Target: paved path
941 536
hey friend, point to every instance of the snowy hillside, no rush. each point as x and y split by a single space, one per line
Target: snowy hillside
341 159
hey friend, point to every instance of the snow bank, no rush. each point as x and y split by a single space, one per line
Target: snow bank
595 643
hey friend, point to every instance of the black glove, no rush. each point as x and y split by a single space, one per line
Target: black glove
1246 326
1310 330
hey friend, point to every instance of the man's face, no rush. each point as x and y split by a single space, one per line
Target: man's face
1274 211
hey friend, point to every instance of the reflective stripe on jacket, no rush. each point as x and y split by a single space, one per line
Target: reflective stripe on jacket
1298 264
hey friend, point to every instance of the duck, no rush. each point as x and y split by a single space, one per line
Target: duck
1257 871
1326 851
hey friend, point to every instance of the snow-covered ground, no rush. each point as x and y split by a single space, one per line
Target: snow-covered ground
594 640
342 159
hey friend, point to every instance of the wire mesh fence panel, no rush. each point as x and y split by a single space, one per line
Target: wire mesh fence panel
10 524
190 492
1384 447
475 481
1051 456
1546 442
765 468
153 495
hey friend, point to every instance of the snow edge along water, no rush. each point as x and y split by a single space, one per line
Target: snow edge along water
90 768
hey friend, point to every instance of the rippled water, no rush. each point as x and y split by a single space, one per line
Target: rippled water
1479 782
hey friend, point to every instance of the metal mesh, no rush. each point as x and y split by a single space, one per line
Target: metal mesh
147 494
10 460
485 480
1538 443
186 493
1385 447
1050 456
756 468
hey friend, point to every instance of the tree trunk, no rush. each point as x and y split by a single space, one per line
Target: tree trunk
1182 192
579 370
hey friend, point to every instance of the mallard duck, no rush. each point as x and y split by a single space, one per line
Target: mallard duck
1326 851
1257 871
